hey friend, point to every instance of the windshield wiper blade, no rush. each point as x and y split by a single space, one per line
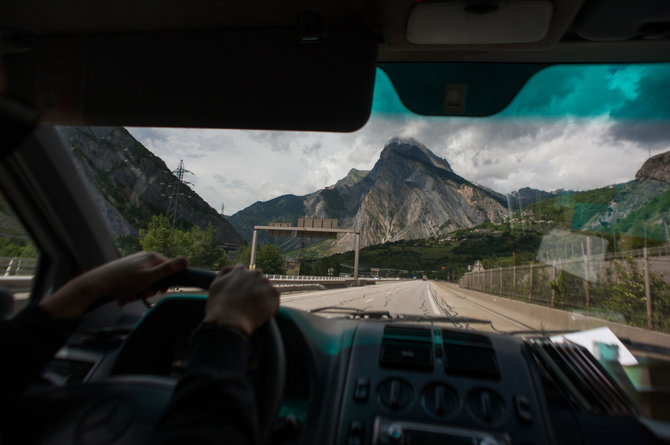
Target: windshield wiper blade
352 311
645 347
540 331
362 313
413 317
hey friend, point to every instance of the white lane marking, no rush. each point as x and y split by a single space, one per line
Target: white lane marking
369 300
429 295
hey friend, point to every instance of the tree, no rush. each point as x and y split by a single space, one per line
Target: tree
161 238
198 245
270 260
128 244
244 255
14 247
305 268
202 249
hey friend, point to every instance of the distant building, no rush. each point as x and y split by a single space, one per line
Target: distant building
231 250
292 266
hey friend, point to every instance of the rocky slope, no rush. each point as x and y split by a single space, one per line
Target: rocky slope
639 207
129 184
656 168
409 194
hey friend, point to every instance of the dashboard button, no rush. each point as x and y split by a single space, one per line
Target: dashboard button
362 389
522 409
356 435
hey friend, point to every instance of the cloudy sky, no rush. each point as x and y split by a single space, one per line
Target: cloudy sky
570 127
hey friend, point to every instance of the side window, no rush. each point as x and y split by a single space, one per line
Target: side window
18 261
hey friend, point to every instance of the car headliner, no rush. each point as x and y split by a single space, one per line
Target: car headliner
285 65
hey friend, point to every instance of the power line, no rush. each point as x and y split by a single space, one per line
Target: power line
173 209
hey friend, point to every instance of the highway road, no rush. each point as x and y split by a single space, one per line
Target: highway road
426 298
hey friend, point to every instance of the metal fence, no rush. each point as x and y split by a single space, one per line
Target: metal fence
10 267
304 278
630 289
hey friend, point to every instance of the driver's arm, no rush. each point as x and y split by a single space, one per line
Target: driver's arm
34 335
214 402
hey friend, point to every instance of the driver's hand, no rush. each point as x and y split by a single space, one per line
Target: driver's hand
241 299
126 279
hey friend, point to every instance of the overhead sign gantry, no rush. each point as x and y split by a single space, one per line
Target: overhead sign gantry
307 228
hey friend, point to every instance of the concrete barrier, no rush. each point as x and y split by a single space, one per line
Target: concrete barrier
17 283
546 318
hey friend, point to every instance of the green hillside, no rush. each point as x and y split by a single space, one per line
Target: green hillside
573 211
648 220
439 258
286 208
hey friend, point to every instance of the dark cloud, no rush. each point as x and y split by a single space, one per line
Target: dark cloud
277 141
572 90
645 119
648 135
312 149
652 100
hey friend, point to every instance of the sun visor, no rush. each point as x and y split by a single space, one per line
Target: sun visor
458 89
255 78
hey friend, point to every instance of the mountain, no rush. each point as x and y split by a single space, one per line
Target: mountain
410 193
639 208
129 184
522 198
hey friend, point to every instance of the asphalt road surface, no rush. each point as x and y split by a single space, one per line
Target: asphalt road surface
426 298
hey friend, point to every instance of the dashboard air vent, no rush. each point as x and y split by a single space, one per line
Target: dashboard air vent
407 348
470 355
582 375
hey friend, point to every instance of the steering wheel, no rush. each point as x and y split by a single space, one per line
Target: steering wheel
125 408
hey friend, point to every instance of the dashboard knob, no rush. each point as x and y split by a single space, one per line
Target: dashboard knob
439 400
486 406
395 394
396 436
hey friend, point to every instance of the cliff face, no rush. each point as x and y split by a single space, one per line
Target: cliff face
129 184
410 193
656 168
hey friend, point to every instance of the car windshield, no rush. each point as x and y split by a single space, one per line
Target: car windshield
550 216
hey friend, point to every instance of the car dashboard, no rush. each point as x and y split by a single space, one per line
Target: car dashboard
351 382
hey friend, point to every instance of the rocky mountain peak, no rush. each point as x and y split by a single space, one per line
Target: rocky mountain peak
410 193
354 176
410 148
657 168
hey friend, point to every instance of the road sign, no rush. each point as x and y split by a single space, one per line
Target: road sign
281 233
317 223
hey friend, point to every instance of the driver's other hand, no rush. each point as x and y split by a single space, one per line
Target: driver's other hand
125 279
241 299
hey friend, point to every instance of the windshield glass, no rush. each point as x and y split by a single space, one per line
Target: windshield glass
550 216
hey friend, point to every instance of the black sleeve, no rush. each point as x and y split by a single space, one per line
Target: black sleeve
28 342
213 402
